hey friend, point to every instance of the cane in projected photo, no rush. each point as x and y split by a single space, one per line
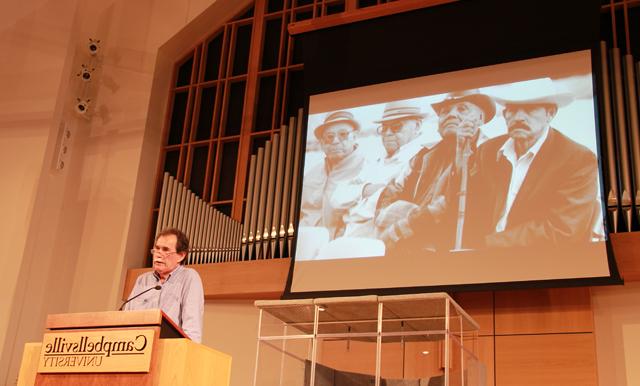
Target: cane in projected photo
418 211
538 185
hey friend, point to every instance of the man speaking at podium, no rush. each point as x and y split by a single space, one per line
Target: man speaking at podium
173 288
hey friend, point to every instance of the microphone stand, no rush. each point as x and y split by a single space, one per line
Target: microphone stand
157 287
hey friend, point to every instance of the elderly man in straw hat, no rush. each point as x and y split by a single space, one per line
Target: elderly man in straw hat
342 163
538 185
399 130
417 211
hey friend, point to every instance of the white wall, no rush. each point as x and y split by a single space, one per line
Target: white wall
232 327
34 39
70 235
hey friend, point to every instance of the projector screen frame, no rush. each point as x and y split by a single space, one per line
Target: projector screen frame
613 278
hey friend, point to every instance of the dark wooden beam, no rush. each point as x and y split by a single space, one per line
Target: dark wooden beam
351 16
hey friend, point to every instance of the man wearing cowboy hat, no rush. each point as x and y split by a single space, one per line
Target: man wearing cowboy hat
538 185
342 163
399 131
417 211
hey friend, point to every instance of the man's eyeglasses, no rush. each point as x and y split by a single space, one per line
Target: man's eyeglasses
394 127
161 252
329 137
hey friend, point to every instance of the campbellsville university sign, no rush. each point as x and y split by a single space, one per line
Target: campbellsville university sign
97 351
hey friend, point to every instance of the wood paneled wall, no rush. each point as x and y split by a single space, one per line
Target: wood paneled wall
537 337
257 279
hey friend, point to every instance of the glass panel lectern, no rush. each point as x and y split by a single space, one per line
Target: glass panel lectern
412 340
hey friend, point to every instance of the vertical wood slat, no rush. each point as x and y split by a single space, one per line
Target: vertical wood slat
250 102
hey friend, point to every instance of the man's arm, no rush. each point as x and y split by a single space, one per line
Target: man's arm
398 214
395 189
311 200
573 205
348 194
192 310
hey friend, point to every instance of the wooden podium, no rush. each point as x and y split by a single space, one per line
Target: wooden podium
130 348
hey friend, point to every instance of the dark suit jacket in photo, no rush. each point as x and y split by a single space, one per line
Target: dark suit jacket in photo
557 202
427 168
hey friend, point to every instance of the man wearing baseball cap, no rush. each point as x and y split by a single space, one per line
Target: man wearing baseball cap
342 163
540 187
417 211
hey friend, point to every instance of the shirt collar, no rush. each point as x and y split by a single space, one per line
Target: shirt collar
408 149
175 270
508 150
345 162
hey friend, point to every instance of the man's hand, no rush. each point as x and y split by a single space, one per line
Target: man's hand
369 189
467 130
437 206
393 221
398 210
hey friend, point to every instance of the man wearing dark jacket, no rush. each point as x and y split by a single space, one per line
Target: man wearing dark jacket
535 185
418 211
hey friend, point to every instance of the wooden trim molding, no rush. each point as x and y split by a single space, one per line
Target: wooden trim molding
626 248
257 279
352 16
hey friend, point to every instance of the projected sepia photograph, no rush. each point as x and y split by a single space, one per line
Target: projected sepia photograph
507 165
484 176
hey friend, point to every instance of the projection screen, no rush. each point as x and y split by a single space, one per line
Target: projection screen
485 175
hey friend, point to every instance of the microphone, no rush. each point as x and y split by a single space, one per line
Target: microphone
157 287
